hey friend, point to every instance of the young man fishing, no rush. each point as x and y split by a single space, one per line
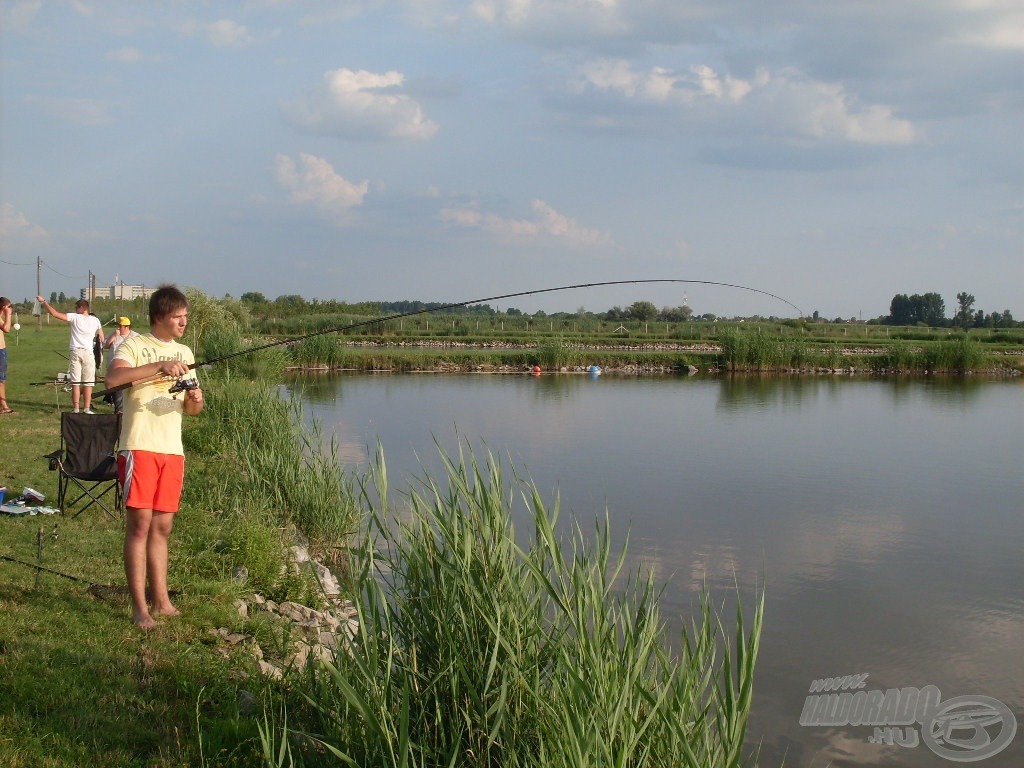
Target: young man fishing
151 459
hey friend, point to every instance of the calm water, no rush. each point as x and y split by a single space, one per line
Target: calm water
886 519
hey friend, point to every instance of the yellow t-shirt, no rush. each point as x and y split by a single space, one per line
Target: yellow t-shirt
152 417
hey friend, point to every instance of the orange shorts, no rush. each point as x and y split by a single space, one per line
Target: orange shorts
151 480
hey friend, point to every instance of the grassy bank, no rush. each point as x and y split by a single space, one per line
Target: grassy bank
79 684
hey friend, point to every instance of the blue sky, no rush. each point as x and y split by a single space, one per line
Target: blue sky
833 153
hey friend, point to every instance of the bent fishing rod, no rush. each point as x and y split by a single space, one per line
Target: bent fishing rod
443 308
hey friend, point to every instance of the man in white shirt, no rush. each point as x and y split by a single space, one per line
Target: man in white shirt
84 329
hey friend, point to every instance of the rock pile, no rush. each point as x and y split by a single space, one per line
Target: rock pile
315 634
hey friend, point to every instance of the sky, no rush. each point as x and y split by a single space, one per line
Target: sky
833 153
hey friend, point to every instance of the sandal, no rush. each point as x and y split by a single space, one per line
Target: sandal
5 411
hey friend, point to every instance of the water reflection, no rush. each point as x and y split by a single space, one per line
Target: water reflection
883 516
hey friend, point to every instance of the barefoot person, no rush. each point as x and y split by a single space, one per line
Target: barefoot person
5 327
151 459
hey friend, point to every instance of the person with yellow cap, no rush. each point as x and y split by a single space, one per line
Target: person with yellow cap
117 336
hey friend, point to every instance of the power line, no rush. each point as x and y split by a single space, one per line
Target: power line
43 263
69 277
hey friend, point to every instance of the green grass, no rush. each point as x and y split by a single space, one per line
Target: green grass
79 684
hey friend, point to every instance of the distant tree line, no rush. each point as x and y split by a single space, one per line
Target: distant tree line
929 309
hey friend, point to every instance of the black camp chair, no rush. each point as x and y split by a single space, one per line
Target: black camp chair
87 459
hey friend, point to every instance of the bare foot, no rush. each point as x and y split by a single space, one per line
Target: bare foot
166 610
143 621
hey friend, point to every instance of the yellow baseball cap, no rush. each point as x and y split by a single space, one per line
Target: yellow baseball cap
123 321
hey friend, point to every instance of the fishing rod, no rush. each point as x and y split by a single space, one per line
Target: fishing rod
44 569
442 308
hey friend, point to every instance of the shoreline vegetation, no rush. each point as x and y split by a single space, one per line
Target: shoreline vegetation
474 646
735 352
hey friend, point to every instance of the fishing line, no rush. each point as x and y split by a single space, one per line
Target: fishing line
455 305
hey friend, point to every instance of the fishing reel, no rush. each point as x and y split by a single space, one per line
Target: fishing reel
183 385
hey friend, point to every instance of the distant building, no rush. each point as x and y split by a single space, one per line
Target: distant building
119 291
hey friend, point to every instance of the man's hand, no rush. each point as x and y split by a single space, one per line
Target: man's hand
174 368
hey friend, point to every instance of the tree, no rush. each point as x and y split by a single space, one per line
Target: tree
643 311
53 297
928 308
675 314
965 314
253 297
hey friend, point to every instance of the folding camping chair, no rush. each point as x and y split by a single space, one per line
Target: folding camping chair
87 459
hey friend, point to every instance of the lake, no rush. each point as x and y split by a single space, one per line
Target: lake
885 519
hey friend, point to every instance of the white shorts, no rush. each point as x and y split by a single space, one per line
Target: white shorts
83 367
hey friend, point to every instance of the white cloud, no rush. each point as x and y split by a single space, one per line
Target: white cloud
82 9
1000 31
16 229
126 55
89 112
360 104
552 18
226 33
19 16
315 182
546 222
659 84
784 103
826 111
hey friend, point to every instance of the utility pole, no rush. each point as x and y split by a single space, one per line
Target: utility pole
39 288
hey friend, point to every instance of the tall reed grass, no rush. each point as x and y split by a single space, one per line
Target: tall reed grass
265 473
475 650
556 353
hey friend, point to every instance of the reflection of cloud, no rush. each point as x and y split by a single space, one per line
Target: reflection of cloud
316 182
360 104
814 551
545 222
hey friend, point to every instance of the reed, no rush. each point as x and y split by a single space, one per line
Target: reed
316 351
260 466
957 355
556 353
475 650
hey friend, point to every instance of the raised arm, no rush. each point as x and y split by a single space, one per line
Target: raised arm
55 312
